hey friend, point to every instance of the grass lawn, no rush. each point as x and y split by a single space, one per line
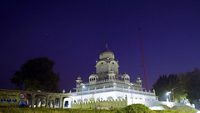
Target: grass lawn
46 110
132 109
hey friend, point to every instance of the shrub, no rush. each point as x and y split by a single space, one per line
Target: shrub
184 109
135 108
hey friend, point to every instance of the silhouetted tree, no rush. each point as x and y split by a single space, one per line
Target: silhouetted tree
36 74
181 86
170 83
193 85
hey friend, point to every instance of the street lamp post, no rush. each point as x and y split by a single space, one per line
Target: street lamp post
173 93
168 96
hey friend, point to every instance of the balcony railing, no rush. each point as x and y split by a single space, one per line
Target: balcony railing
127 90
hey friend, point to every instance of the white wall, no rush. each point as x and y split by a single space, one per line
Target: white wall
132 98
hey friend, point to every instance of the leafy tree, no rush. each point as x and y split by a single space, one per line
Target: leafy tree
161 86
193 85
172 83
181 86
36 74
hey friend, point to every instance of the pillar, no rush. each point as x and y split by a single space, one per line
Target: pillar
61 102
47 102
33 100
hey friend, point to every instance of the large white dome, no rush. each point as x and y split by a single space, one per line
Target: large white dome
107 54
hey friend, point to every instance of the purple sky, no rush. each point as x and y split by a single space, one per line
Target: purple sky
73 33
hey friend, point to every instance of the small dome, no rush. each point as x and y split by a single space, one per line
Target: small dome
138 80
78 78
126 76
93 76
106 54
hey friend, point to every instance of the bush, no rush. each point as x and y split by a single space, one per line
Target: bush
168 111
184 109
135 108
179 109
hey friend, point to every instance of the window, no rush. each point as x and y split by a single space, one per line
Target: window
14 100
8 100
66 104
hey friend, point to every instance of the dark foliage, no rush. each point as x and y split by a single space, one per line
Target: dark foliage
36 74
181 86
193 87
166 83
135 108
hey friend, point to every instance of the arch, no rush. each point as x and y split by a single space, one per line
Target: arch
91 99
110 98
101 62
85 100
120 98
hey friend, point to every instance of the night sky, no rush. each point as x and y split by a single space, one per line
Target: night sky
73 33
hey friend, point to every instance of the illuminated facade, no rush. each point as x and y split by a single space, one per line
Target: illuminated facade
108 88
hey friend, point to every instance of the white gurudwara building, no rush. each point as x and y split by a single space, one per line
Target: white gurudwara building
107 88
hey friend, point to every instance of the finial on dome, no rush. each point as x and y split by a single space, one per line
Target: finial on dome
106 46
107 53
